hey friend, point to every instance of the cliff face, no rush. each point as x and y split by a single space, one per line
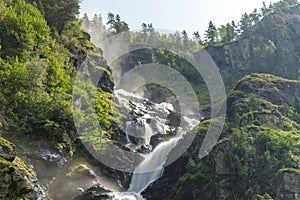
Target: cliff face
257 155
272 46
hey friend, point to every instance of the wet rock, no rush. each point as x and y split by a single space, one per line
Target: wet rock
98 191
81 171
7 150
146 148
156 139
174 119
17 178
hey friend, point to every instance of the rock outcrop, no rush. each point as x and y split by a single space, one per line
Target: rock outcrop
257 154
17 178
290 184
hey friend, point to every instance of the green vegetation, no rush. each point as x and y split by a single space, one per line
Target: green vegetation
39 57
260 142
34 73
58 13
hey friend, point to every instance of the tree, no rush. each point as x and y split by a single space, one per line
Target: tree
86 23
230 33
97 29
115 23
185 39
235 30
177 40
197 37
210 34
147 33
245 23
222 35
264 9
255 16
57 12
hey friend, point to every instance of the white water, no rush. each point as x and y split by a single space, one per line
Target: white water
151 168
125 196
148 133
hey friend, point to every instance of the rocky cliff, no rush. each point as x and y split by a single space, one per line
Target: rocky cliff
257 156
272 46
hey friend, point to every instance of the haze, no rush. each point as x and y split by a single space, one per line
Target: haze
189 15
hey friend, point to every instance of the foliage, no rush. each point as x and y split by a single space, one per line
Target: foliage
24 32
211 34
148 36
115 23
58 13
38 68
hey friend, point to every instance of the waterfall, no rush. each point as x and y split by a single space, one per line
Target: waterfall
147 119
152 167
148 133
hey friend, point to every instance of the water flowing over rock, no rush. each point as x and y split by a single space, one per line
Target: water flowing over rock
152 167
151 130
144 119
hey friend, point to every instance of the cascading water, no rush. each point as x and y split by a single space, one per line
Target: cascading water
152 167
148 119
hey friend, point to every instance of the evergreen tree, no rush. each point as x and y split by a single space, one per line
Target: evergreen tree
185 39
245 23
229 33
210 34
222 35
115 23
86 23
255 16
235 30
264 9
197 37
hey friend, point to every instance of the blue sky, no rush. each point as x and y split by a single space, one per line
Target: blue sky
189 15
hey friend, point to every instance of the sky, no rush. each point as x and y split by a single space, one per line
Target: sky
173 15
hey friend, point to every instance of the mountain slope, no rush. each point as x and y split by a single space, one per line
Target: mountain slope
258 152
271 46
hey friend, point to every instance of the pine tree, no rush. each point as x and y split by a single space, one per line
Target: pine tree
210 34
115 23
229 33
245 23
86 23
255 16
185 38
197 37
